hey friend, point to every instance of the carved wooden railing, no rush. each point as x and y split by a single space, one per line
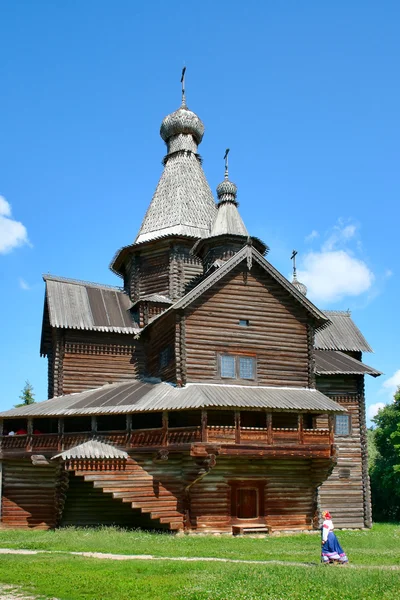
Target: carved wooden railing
52 442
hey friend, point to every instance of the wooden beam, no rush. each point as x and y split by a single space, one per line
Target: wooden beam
204 432
300 425
237 426
165 428
269 428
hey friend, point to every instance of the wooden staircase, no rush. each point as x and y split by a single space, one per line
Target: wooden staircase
156 490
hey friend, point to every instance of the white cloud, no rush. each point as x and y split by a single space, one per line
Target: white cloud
12 233
332 275
388 273
392 384
311 236
374 408
23 284
339 236
334 271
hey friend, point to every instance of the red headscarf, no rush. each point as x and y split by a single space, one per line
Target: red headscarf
326 514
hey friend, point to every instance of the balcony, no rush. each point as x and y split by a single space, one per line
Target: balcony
235 439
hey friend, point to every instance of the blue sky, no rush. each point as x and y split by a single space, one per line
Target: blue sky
305 94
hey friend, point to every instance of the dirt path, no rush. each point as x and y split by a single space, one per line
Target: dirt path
109 556
12 592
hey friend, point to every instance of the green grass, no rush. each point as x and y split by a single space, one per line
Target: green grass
77 578
379 546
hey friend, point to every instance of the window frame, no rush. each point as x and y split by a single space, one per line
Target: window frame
349 432
237 358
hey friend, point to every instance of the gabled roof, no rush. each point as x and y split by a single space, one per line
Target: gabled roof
250 254
92 449
75 304
140 396
341 334
182 204
332 362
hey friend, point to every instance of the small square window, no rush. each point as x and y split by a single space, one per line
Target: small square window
246 367
227 366
342 425
244 322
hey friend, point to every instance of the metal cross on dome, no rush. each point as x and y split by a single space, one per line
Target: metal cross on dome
226 162
183 85
293 258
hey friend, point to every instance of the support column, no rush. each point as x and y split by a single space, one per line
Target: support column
204 432
237 426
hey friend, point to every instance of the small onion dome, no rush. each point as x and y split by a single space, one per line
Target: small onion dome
184 121
227 191
299 286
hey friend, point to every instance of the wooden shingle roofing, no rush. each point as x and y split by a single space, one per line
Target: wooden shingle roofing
75 304
341 334
333 362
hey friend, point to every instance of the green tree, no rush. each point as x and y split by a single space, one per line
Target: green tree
385 472
27 396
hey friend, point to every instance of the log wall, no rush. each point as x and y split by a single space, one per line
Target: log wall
89 360
289 492
346 493
162 338
277 333
30 495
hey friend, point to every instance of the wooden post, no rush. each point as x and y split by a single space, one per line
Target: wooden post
29 431
1 434
60 447
269 428
128 430
204 433
165 428
300 425
331 421
237 426
93 424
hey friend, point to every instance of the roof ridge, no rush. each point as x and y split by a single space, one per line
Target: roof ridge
339 313
105 286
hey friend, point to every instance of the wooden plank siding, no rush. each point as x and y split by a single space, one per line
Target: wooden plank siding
277 332
346 492
92 360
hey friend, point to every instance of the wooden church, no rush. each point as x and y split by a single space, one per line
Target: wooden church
206 394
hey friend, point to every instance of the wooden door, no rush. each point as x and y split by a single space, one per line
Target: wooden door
247 500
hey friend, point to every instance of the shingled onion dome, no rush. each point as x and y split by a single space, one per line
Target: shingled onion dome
182 130
299 286
183 204
228 232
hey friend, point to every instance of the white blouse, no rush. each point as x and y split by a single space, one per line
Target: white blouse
327 526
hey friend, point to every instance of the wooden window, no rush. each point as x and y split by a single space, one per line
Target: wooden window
237 367
244 322
342 425
246 367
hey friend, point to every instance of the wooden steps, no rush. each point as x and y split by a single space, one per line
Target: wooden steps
249 529
154 494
